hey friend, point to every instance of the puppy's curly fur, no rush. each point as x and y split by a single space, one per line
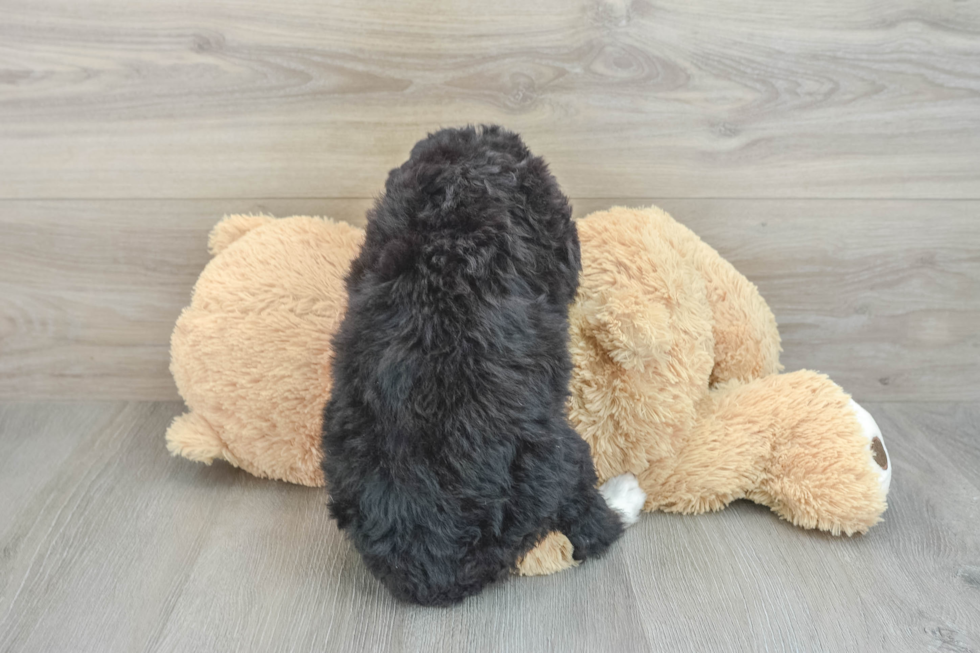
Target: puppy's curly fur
447 451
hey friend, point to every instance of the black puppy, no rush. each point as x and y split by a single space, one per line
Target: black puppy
446 449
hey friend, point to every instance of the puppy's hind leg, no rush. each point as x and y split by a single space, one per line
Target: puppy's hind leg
589 522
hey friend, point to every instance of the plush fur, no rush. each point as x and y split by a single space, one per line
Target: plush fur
675 374
447 452
251 354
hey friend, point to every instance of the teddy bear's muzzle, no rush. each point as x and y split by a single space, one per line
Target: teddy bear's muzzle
876 443
878 452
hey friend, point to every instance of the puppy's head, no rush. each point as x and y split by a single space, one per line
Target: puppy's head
474 203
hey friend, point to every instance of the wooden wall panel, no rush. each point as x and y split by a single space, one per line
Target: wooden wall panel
882 295
306 98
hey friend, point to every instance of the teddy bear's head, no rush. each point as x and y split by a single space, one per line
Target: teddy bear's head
641 341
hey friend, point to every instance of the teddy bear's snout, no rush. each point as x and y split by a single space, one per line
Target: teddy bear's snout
878 452
876 444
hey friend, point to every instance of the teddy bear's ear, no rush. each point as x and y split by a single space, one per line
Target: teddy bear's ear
633 334
231 228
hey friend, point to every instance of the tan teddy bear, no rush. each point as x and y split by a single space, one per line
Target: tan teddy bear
251 354
676 377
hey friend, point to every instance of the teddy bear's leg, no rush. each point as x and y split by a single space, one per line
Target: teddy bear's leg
794 442
193 438
233 227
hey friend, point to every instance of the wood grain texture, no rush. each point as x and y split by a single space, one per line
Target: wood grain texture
90 291
109 544
882 295
642 98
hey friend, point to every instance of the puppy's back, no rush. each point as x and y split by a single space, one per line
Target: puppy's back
451 367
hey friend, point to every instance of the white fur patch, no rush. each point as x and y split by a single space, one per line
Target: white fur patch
871 431
623 494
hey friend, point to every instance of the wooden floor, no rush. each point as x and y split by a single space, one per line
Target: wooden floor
109 544
830 149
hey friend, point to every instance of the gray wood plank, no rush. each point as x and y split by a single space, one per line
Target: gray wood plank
303 98
90 291
96 556
882 295
110 544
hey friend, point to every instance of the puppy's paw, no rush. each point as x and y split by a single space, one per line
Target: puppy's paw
623 494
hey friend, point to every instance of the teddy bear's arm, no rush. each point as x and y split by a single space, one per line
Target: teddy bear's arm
746 340
747 343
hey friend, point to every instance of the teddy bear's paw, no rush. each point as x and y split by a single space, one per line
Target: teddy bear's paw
876 442
623 494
